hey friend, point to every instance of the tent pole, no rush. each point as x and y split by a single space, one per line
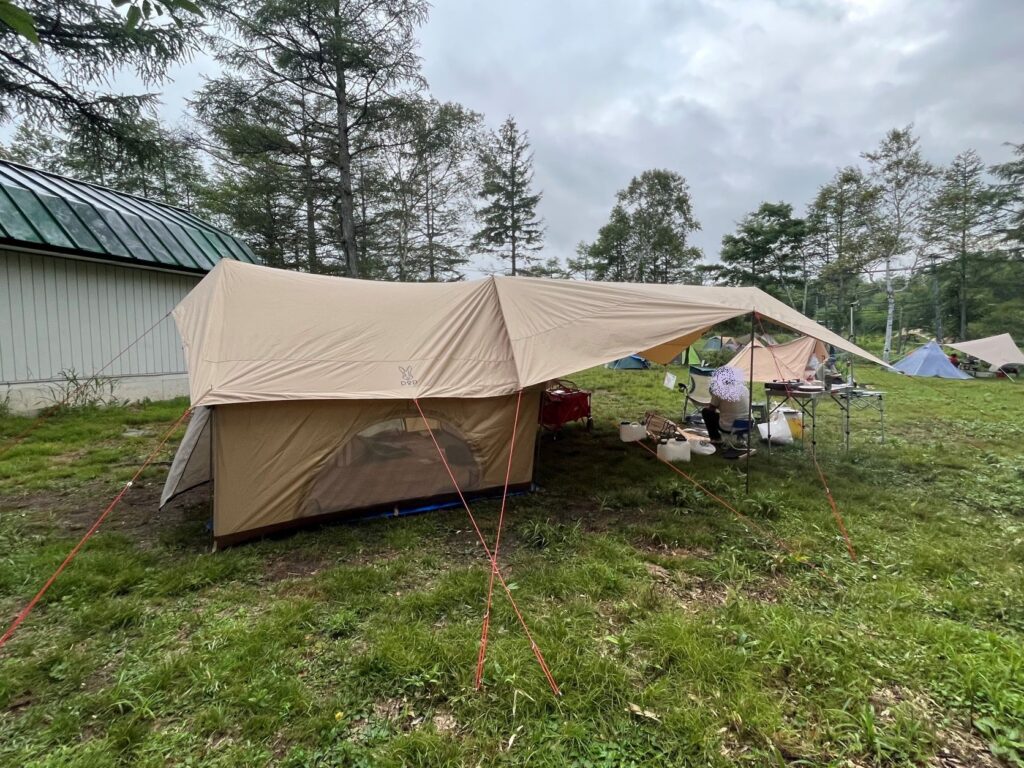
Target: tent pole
750 397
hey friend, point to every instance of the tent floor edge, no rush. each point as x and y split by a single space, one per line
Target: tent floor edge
361 514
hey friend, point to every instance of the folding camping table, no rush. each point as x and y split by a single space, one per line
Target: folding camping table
846 397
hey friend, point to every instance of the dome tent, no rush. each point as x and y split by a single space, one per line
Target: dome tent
629 363
929 360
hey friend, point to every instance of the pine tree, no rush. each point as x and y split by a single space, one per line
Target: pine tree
904 182
355 60
960 223
1011 198
610 256
509 226
425 181
646 239
839 238
56 51
170 171
766 251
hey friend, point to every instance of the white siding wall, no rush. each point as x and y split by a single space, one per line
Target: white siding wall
59 313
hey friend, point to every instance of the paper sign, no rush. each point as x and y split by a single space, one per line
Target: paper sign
670 381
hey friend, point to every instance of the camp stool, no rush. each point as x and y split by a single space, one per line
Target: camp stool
737 436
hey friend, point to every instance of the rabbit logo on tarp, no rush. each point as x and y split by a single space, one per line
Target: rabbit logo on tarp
408 379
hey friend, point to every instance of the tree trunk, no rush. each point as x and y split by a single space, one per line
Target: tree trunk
512 207
963 286
903 333
935 299
429 216
803 306
346 207
840 300
890 298
312 263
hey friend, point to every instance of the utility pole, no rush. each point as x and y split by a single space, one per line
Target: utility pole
903 332
853 338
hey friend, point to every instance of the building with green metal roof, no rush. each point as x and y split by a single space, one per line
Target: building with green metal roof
85 271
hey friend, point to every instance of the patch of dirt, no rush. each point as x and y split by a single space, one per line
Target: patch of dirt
294 565
695 593
444 722
137 515
660 574
691 592
104 676
958 747
388 709
767 590
962 749
400 713
70 457
665 550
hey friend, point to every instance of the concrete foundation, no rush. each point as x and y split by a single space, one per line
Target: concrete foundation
29 397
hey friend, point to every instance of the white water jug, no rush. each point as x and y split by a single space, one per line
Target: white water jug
674 450
631 432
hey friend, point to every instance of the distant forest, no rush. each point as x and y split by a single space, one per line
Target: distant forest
319 143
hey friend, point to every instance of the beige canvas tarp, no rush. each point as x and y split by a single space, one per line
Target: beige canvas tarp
255 334
997 351
780 362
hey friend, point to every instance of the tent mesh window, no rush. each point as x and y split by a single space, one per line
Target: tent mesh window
393 460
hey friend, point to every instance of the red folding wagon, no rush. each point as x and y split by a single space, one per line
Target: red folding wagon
564 402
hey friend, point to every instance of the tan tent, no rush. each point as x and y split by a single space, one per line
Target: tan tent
309 380
781 362
997 351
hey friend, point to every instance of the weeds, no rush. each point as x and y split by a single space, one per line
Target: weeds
75 391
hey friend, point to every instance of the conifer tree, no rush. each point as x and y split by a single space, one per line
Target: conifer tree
509 226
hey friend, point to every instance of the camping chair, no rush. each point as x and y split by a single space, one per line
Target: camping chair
698 392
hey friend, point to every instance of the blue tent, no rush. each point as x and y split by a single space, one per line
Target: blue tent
929 360
631 363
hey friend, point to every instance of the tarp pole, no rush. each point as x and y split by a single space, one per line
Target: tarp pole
750 397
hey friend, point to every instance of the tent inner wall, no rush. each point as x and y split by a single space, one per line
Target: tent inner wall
280 463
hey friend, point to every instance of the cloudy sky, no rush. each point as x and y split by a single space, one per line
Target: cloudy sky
750 100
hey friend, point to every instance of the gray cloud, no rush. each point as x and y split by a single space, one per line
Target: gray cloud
751 101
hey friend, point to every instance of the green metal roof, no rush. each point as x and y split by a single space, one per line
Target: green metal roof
44 210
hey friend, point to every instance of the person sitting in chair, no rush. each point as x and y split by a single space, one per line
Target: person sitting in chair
827 372
954 360
730 401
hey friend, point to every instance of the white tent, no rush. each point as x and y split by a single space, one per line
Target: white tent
997 351
781 362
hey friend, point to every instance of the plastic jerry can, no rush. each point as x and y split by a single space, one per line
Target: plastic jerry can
674 450
631 431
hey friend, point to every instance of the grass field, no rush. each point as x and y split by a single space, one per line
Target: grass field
679 635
